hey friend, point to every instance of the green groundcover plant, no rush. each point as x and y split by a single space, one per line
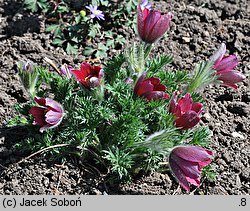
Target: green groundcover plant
75 24
130 115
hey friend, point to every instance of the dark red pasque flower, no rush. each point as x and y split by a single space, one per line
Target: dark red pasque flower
186 111
151 24
150 88
89 76
224 65
48 114
186 163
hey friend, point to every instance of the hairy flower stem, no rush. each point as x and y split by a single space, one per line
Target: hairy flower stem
98 93
137 56
147 49
203 75
32 90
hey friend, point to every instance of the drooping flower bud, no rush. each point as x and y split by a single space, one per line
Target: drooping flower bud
186 163
224 66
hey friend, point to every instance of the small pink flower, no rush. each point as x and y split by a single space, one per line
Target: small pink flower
186 163
150 88
224 65
186 111
48 115
89 76
151 24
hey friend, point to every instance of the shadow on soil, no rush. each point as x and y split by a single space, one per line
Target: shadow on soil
19 21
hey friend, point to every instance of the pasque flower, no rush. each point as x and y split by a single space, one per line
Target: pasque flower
224 65
185 110
95 13
151 24
65 70
29 76
89 76
48 114
186 163
150 88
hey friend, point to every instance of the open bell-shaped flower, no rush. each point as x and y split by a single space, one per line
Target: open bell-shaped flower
89 76
186 163
185 110
48 114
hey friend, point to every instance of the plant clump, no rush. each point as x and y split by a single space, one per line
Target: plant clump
124 116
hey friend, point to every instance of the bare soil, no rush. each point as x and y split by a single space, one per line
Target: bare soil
198 28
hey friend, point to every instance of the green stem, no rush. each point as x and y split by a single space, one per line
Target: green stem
147 49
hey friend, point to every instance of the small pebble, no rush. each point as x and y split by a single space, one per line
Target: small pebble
237 135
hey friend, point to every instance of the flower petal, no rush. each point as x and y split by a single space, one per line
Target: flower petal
80 76
197 107
145 87
174 108
55 106
178 174
231 77
231 85
141 16
155 95
218 55
194 154
161 27
185 103
38 114
139 82
93 82
153 17
227 63
189 168
41 101
195 182
187 120
53 118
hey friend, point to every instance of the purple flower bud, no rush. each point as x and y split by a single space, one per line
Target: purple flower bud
27 66
151 24
48 114
224 65
186 163
186 111
66 70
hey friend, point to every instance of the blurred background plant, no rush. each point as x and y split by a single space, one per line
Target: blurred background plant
74 29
